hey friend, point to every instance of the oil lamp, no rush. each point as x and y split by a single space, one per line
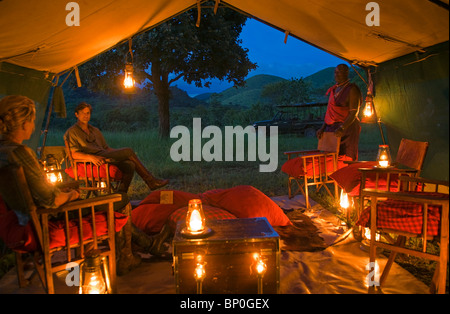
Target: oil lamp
199 273
52 169
344 202
129 82
261 269
368 109
195 220
384 156
94 275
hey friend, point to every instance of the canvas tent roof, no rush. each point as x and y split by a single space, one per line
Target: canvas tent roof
409 49
34 34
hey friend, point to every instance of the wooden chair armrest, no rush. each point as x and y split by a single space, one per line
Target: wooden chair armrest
405 196
95 201
107 160
352 162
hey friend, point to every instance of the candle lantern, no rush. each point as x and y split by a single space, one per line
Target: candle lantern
384 156
261 269
94 274
199 273
368 109
129 81
52 169
195 220
344 201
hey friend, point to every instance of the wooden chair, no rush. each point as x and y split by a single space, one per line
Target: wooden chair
427 219
410 156
313 167
18 198
96 180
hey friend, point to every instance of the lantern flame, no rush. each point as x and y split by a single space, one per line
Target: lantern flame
195 223
344 200
128 82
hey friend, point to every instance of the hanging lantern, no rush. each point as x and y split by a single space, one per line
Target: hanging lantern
129 82
368 108
52 170
94 274
195 220
384 156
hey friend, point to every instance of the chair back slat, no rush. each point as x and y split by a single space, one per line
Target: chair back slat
412 154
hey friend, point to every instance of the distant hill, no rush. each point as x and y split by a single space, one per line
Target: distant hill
247 95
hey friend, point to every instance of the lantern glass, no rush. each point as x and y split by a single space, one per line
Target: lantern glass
52 169
384 156
368 109
93 279
129 81
195 218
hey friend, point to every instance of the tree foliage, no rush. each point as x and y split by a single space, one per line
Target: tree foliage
177 50
293 91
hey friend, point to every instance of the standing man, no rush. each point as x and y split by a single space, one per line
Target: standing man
342 112
87 142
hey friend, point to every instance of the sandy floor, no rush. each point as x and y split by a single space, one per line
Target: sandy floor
339 269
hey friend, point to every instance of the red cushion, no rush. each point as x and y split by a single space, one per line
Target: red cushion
248 202
210 213
23 239
150 216
349 178
294 167
404 216
114 171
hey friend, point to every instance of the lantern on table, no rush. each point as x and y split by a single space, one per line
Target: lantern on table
52 169
94 274
384 156
195 220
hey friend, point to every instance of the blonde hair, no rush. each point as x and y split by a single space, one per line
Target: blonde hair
15 110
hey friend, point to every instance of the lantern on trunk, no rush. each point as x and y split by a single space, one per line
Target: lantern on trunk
195 220
94 274
384 156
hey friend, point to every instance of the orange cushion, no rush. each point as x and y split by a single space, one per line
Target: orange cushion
294 167
114 171
245 201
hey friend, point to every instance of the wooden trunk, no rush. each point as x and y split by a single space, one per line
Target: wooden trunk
227 254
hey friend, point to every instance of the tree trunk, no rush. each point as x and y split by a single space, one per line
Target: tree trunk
160 82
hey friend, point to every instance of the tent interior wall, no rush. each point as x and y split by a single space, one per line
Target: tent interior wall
411 99
407 53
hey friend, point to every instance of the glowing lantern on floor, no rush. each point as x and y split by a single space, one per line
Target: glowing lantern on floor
195 218
94 275
384 156
344 201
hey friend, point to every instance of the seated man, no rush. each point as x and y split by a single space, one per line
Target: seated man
87 142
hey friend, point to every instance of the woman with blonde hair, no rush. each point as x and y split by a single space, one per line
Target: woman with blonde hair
17 115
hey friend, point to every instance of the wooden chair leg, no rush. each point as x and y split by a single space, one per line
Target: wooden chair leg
401 240
23 282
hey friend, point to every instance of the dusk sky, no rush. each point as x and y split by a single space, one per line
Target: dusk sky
267 48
